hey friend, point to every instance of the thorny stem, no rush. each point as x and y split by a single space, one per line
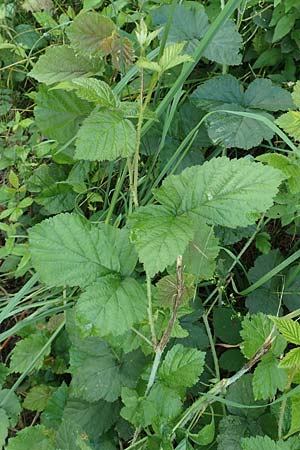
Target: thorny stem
160 347
200 405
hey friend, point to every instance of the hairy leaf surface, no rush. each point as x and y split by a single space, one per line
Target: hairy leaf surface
111 306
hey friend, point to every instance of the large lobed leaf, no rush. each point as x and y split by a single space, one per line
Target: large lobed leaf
189 25
226 192
105 135
66 250
225 93
111 306
61 64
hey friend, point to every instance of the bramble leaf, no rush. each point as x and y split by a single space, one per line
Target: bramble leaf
61 63
241 392
111 306
26 350
289 328
4 424
32 438
290 123
37 398
268 378
227 94
181 367
105 135
91 33
98 374
201 253
263 443
291 360
190 23
96 91
67 250
226 192
159 236
58 114
94 418
255 330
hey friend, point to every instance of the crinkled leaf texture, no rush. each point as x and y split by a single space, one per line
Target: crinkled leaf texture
67 250
26 350
268 378
91 33
181 367
255 330
98 374
105 135
190 23
32 438
58 113
161 405
111 306
263 443
61 64
224 192
226 93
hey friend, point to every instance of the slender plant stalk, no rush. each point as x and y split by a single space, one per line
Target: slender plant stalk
160 347
150 311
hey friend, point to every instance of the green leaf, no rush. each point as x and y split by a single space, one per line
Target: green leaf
289 328
255 330
269 57
190 23
181 367
98 374
284 26
266 298
137 410
225 45
96 91
166 289
111 306
11 405
105 135
37 398
32 438
4 424
26 350
61 64
172 57
52 415
67 250
268 378
209 191
231 430
93 418
227 325
206 435
241 392
263 443
290 123
296 94
91 33
291 360
295 421
201 254
165 410
58 114
226 93
159 236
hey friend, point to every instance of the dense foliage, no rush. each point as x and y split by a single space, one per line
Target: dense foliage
149 225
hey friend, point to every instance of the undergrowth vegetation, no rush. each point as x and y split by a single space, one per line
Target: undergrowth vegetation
149 225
